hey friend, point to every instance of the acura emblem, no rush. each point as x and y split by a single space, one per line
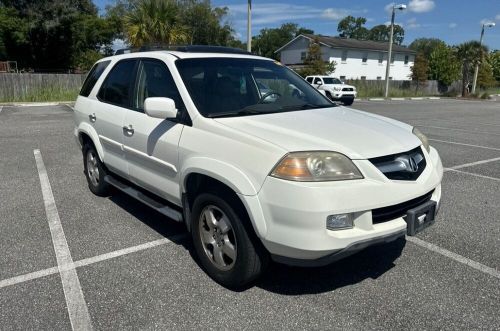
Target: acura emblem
412 164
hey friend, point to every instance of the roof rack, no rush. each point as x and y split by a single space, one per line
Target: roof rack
184 48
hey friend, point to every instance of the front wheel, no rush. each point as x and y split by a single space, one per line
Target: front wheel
223 241
348 102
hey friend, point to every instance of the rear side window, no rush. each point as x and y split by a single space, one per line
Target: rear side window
309 79
117 88
92 77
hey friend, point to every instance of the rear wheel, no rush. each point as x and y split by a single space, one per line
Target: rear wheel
94 171
223 241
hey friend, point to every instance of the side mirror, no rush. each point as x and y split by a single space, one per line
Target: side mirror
319 83
163 108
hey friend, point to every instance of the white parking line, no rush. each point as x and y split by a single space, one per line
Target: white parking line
465 165
457 129
464 144
91 260
75 302
1 107
472 174
454 256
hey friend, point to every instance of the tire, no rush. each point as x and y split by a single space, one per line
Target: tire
329 95
348 102
225 247
94 171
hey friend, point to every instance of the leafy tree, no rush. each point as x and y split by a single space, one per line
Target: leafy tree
443 64
494 61
314 63
269 40
426 45
469 53
155 22
382 33
352 27
485 76
419 70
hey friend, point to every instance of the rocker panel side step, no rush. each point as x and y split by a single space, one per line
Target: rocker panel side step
157 205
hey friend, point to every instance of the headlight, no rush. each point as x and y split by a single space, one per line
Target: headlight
422 138
316 167
337 88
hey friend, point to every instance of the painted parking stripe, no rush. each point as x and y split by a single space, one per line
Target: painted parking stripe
473 174
91 260
1 107
464 144
454 256
465 165
457 129
75 302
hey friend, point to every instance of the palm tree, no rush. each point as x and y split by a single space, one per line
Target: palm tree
155 22
469 53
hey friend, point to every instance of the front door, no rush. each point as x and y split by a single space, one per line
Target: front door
151 144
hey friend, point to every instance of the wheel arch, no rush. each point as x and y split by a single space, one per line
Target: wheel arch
87 133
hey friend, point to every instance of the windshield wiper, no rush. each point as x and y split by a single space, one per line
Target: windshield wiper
257 109
305 106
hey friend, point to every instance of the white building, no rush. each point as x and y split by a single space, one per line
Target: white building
356 59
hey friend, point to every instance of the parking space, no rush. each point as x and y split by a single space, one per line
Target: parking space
136 271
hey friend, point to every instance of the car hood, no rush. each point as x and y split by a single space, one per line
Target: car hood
338 85
357 134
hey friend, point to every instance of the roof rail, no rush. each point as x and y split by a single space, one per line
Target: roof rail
184 48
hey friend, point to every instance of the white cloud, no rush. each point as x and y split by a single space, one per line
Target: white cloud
334 13
388 7
452 25
484 21
412 23
421 6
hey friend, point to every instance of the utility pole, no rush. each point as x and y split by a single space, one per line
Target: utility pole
389 55
476 70
249 27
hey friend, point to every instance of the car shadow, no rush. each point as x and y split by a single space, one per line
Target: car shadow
370 263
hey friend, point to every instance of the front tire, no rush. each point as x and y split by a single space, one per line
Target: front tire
348 102
94 171
223 241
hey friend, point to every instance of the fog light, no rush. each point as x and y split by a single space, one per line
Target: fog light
339 222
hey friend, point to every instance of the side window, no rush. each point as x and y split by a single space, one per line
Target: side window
154 80
117 87
317 80
309 80
92 77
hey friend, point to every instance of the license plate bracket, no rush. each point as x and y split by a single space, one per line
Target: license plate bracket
420 217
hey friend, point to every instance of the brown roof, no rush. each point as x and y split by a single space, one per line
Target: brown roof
338 42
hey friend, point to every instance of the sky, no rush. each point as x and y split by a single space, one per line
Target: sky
453 21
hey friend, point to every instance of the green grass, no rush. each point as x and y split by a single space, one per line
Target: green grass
44 95
370 91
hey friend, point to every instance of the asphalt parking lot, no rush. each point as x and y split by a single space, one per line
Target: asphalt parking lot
134 269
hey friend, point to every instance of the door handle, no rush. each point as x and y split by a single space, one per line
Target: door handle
129 130
92 117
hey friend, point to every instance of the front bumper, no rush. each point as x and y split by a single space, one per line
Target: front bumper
295 213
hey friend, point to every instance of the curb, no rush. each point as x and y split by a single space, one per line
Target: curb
36 104
402 99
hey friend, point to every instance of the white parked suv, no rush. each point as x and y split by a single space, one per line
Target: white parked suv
334 88
282 176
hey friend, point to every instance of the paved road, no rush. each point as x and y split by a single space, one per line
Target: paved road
135 269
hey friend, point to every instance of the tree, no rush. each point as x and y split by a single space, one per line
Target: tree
494 61
314 63
426 45
382 33
469 53
419 70
269 40
155 22
443 64
352 27
485 76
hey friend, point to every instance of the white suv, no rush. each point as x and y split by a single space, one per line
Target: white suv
334 88
285 175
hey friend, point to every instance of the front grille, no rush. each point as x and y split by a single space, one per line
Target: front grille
402 166
348 89
389 213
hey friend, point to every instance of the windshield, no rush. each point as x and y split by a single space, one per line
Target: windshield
234 87
332 81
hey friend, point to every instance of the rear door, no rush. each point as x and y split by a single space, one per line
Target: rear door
115 101
151 144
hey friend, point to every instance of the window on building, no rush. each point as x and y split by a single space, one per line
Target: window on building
303 56
363 77
365 57
379 77
380 57
406 59
344 56
342 78
390 77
